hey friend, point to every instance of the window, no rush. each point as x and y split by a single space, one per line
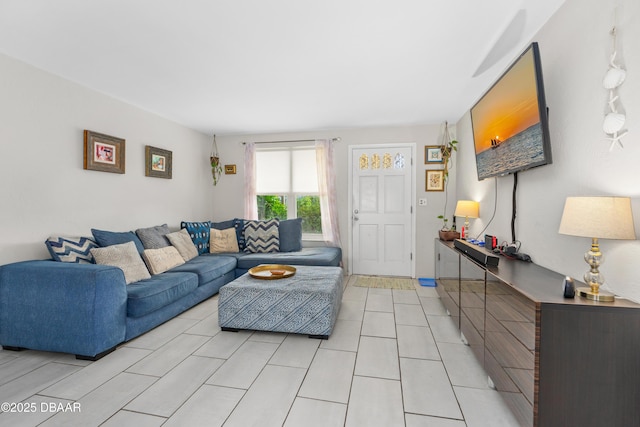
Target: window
287 186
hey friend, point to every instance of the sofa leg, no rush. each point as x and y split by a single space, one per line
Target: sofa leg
224 328
12 348
319 337
97 356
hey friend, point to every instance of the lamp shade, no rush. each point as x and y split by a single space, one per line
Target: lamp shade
467 208
599 217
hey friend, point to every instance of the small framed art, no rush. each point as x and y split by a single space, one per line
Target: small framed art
103 152
157 162
432 154
230 169
434 180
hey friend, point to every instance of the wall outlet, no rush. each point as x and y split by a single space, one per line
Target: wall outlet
422 202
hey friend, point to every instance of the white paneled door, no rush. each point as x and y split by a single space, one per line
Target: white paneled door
382 211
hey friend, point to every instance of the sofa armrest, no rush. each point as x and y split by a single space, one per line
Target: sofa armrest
63 307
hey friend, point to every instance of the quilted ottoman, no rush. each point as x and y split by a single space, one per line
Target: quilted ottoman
306 303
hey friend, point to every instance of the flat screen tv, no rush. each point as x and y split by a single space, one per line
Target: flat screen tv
510 124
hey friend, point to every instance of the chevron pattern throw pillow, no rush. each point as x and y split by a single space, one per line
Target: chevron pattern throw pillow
262 236
71 249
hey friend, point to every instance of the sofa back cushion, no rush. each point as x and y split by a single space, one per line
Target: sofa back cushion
108 238
124 256
290 231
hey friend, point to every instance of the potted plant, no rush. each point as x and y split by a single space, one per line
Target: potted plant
446 233
447 148
216 167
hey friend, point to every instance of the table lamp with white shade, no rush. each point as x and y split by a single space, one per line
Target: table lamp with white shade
467 209
597 218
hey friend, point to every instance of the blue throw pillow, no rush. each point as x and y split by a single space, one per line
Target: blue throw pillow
239 226
199 233
290 235
71 249
110 238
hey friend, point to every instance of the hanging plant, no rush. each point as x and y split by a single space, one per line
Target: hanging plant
216 167
447 147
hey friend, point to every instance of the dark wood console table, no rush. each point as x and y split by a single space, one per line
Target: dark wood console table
556 361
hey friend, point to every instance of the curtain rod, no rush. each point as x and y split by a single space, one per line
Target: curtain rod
338 139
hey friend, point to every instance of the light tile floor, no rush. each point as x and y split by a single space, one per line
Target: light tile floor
394 359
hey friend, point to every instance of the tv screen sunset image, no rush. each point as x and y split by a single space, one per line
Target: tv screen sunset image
506 122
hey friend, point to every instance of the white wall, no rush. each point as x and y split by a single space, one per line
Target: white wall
229 192
575 46
44 189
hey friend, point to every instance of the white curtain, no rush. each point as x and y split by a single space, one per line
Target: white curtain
327 191
250 199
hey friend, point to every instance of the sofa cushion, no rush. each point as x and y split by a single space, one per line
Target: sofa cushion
208 267
71 249
223 241
162 259
223 225
149 295
290 231
124 256
154 237
320 256
183 243
108 238
261 236
199 232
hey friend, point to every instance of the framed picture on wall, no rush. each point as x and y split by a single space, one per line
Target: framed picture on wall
432 154
103 152
157 162
434 180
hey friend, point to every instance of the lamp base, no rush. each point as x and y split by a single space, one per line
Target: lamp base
600 296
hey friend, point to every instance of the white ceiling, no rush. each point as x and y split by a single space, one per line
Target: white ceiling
259 66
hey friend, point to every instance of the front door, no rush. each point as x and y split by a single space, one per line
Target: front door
382 211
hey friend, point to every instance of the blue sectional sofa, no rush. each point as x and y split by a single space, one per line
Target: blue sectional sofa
88 309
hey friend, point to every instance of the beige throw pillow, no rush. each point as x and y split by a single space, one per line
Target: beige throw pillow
223 241
162 259
183 243
124 256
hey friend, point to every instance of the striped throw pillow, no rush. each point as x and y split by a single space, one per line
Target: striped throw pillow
71 249
262 236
